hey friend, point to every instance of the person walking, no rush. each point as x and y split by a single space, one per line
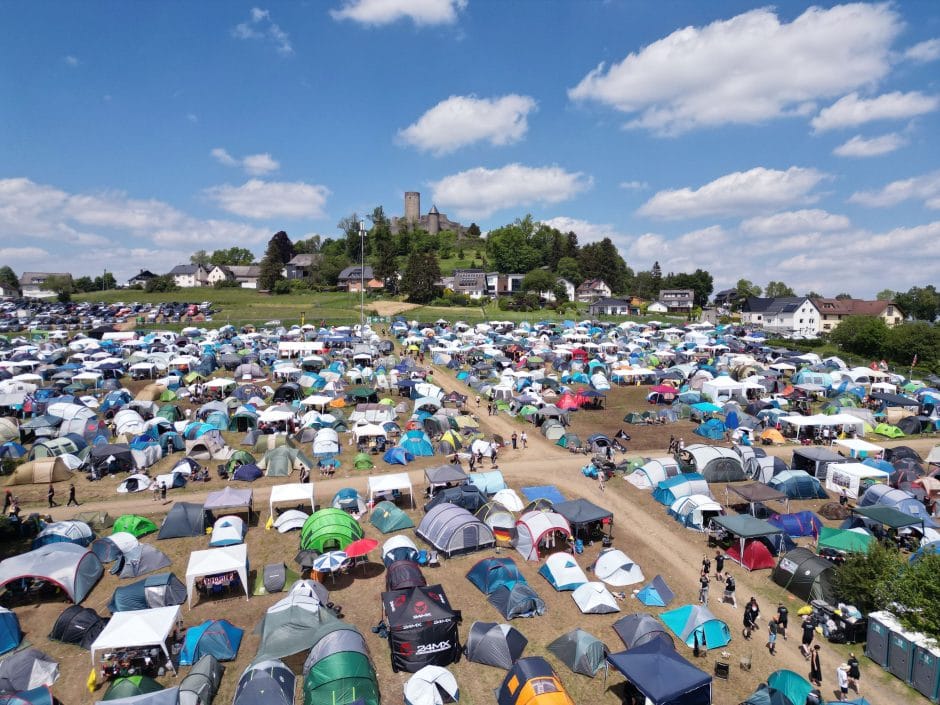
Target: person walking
600 481
72 499
754 609
489 408
50 495
815 667
809 633
730 588
156 492
706 564
719 565
783 618
525 440
843 498
772 636
748 624
703 589
854 674
515 441
7 500
473 463
842 676
163 492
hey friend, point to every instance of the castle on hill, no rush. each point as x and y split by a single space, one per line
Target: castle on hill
434 222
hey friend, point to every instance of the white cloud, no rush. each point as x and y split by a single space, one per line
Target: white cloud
859 146
801 221
271 199
16 254
586 231
634 185
382 12
851 111
192 117
261 27
116 211
462 120
747 69
924 188
736 194
924 52
71 60
480 192
253 164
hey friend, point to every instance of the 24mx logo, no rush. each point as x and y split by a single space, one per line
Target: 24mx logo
432 648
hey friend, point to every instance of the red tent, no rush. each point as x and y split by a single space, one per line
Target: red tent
579 354
756 555
567 401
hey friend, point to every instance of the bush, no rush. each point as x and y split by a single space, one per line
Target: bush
161 284
281 287
227 284
504 303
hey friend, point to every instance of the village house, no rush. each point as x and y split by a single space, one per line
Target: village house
188 276
141 278
350 277
31 283
785 314
592 290
678 300
302 266
833 311
612 307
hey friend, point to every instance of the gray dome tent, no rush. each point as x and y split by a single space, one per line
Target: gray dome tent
27 669
265 683
580 651
452 530
639 628
805 574
160 590
520 600
495 644
73 568
140 560
184 519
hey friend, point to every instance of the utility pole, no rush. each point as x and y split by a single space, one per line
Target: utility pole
362 277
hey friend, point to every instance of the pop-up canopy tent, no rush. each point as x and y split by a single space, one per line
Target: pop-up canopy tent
582 515
853 478
214 561
444 475
756 493
294 493
229 499
422 628
744 527
662 675
138 628
397 482
73 568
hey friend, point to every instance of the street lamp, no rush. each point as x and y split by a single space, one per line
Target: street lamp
362 277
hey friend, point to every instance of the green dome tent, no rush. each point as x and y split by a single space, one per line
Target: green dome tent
888 431
363 462
388 518
343 677
329 529
130 686
134 524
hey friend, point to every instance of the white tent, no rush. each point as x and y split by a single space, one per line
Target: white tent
594 598
536 526
368 430
849 477
326 442
615 568
228 559
138 628
294 492
227 531
291 520
563 571
859 448
379 484
509 499
138 481
845 420
432 685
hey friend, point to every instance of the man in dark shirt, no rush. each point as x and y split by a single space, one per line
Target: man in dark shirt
783 617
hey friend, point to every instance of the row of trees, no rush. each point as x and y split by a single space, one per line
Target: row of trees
231 257
869 337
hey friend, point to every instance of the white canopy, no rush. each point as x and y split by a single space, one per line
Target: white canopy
860 448
368 430
379 484
138 628
214 561
292 492
849 477
823 420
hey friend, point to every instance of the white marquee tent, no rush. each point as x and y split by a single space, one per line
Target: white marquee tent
294 492
379 484
214 561
136 629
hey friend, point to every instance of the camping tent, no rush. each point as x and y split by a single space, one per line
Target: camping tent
662 675
696 622
798 484
78 625
562 571
755 556
494 644
130 687
134 524
10 633
639 628
652 472
422 628
580 651
217 637
227 531
491 573
293 624
536 530
516 600
452 530
668 491
140 560
183 519
390 484
73 568
265 682
793 686
41 471
159 590
532 681
295 493
341 677
615 568
695 511
138 628
388 518
214 561
594 598
656 594
274 578
329 529
432 685
466 496
202 683
27 669
290 520
806 575
404 574
798 524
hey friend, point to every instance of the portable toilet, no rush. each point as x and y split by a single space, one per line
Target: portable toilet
901 652
880 625
925 673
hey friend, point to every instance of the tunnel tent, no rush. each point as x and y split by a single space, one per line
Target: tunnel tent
798 484
73 568
329 529
293 625
536 531
905 502
399 547
158 590
653 471
202 683
639 628
184 519
138 628
342 677
265 682
694 511
793 686
452 530
388 518
806 575
76 532
290 520
78 625
663 676
41 471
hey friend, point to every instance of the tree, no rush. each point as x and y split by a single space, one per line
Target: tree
699 281
310 246
421 276
747 288
473 231
568 268
284 248
9 281
885 295
84 284
540 281
200 257
278 253
161 283
384 259
232 257
917 339
922 303
510 247
862 335
812 295
61 284
350 228
919 591
601 260
867 580
777 289
561 292
105 282
843 296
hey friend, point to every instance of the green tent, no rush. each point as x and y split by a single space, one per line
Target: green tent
168 395
843 540
134 524
239 457
130 686
363 462
329 529
170 412
281 461
387 518
888 431
342 677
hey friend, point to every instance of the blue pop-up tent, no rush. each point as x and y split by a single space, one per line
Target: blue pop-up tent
693 623
662 675
656 594
214 636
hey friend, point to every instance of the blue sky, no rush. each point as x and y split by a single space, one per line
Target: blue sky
796 143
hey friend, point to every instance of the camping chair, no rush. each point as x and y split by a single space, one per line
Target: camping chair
433 561
722 670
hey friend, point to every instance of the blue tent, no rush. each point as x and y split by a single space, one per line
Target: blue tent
37 696
696 622
217 637
491 573
489 483
798 484
656 594
793 685
10 634
417 443
683 485
549 492
797 524
397 456
713 429
249 472
662 675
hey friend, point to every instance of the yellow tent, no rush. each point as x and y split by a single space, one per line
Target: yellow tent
40 472
772 435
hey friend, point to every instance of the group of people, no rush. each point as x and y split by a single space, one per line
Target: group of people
50 496
159 492
848 674
676 445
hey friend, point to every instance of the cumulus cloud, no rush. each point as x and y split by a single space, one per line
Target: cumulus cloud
16 254
71 60
383 12
851 111
271 199
924 52
736 194
463 120
800 221
747 69
261 27
859 146
480 192
253 164
924 188
634 185
585 230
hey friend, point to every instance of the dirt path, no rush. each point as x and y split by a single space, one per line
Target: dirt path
391 308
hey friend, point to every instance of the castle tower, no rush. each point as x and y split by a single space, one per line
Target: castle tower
434 221
412 206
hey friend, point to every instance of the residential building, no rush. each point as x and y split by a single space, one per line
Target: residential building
592 290
31 283
246 274
726 298
657 307
833 311
141 278
302 266
677 300
785 314
351 276
371 285
218 273
188 276
612 307
503 284
570 289
469 282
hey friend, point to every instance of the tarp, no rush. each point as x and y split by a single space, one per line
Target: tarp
662 675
